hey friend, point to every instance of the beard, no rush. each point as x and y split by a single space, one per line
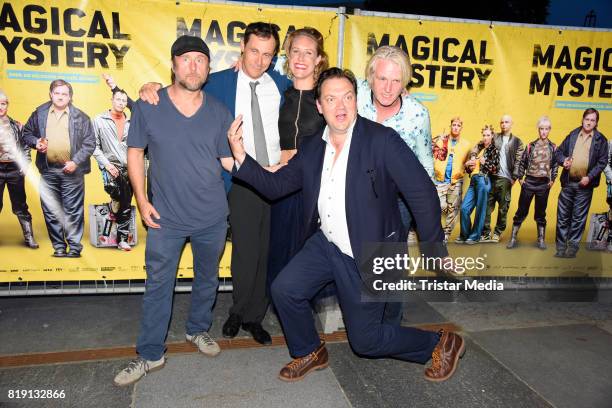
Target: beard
194 85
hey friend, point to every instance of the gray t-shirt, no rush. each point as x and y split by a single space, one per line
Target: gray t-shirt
186 183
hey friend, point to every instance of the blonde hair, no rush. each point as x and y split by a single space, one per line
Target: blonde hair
3 96
314 35
544 119
456 119
393 54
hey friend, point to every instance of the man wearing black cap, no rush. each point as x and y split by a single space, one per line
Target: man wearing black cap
255 92
185 137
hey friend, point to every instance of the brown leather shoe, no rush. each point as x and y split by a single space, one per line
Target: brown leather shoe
445 357
299 367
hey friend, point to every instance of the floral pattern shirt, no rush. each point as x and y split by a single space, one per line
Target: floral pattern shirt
411 122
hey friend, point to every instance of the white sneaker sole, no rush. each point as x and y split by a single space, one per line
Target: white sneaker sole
156 368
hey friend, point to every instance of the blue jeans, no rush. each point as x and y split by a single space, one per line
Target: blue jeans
162 254
475 197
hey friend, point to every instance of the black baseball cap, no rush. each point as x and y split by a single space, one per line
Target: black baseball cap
187 43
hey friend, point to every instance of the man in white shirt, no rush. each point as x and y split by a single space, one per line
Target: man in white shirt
349 202
256 93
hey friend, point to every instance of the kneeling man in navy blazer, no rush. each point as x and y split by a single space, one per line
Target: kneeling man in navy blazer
350 174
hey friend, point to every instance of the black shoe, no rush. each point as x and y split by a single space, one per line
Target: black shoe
232 326
59 253
561 252
571 252
73 253
259 334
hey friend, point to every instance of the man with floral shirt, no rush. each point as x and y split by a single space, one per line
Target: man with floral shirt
382 99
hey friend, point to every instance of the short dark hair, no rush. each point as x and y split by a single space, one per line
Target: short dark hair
335 73
60 82
589 111
263 30
117 90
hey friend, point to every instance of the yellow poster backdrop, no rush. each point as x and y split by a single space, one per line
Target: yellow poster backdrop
481 71
130 40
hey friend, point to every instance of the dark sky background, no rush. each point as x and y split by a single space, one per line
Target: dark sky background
571 13
561 12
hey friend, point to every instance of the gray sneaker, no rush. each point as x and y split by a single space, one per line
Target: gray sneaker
204 343
136 369
489 238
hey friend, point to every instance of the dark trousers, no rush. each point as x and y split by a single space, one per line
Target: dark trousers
394 311
533 187
572 211
405 215
62 197
286 233
11 177
250 222
501 189
120 191
319 263
162 255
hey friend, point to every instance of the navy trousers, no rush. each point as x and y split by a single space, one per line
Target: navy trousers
318 263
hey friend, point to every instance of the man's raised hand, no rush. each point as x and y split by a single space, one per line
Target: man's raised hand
234 135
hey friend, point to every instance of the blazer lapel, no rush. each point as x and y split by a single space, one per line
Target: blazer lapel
352 174
319 152
232 97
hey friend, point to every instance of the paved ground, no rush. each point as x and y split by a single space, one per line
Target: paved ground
528 354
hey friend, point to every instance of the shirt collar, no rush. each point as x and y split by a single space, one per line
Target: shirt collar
242 76
67 110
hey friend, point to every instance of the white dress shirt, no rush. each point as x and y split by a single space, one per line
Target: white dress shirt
269 104
332 203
